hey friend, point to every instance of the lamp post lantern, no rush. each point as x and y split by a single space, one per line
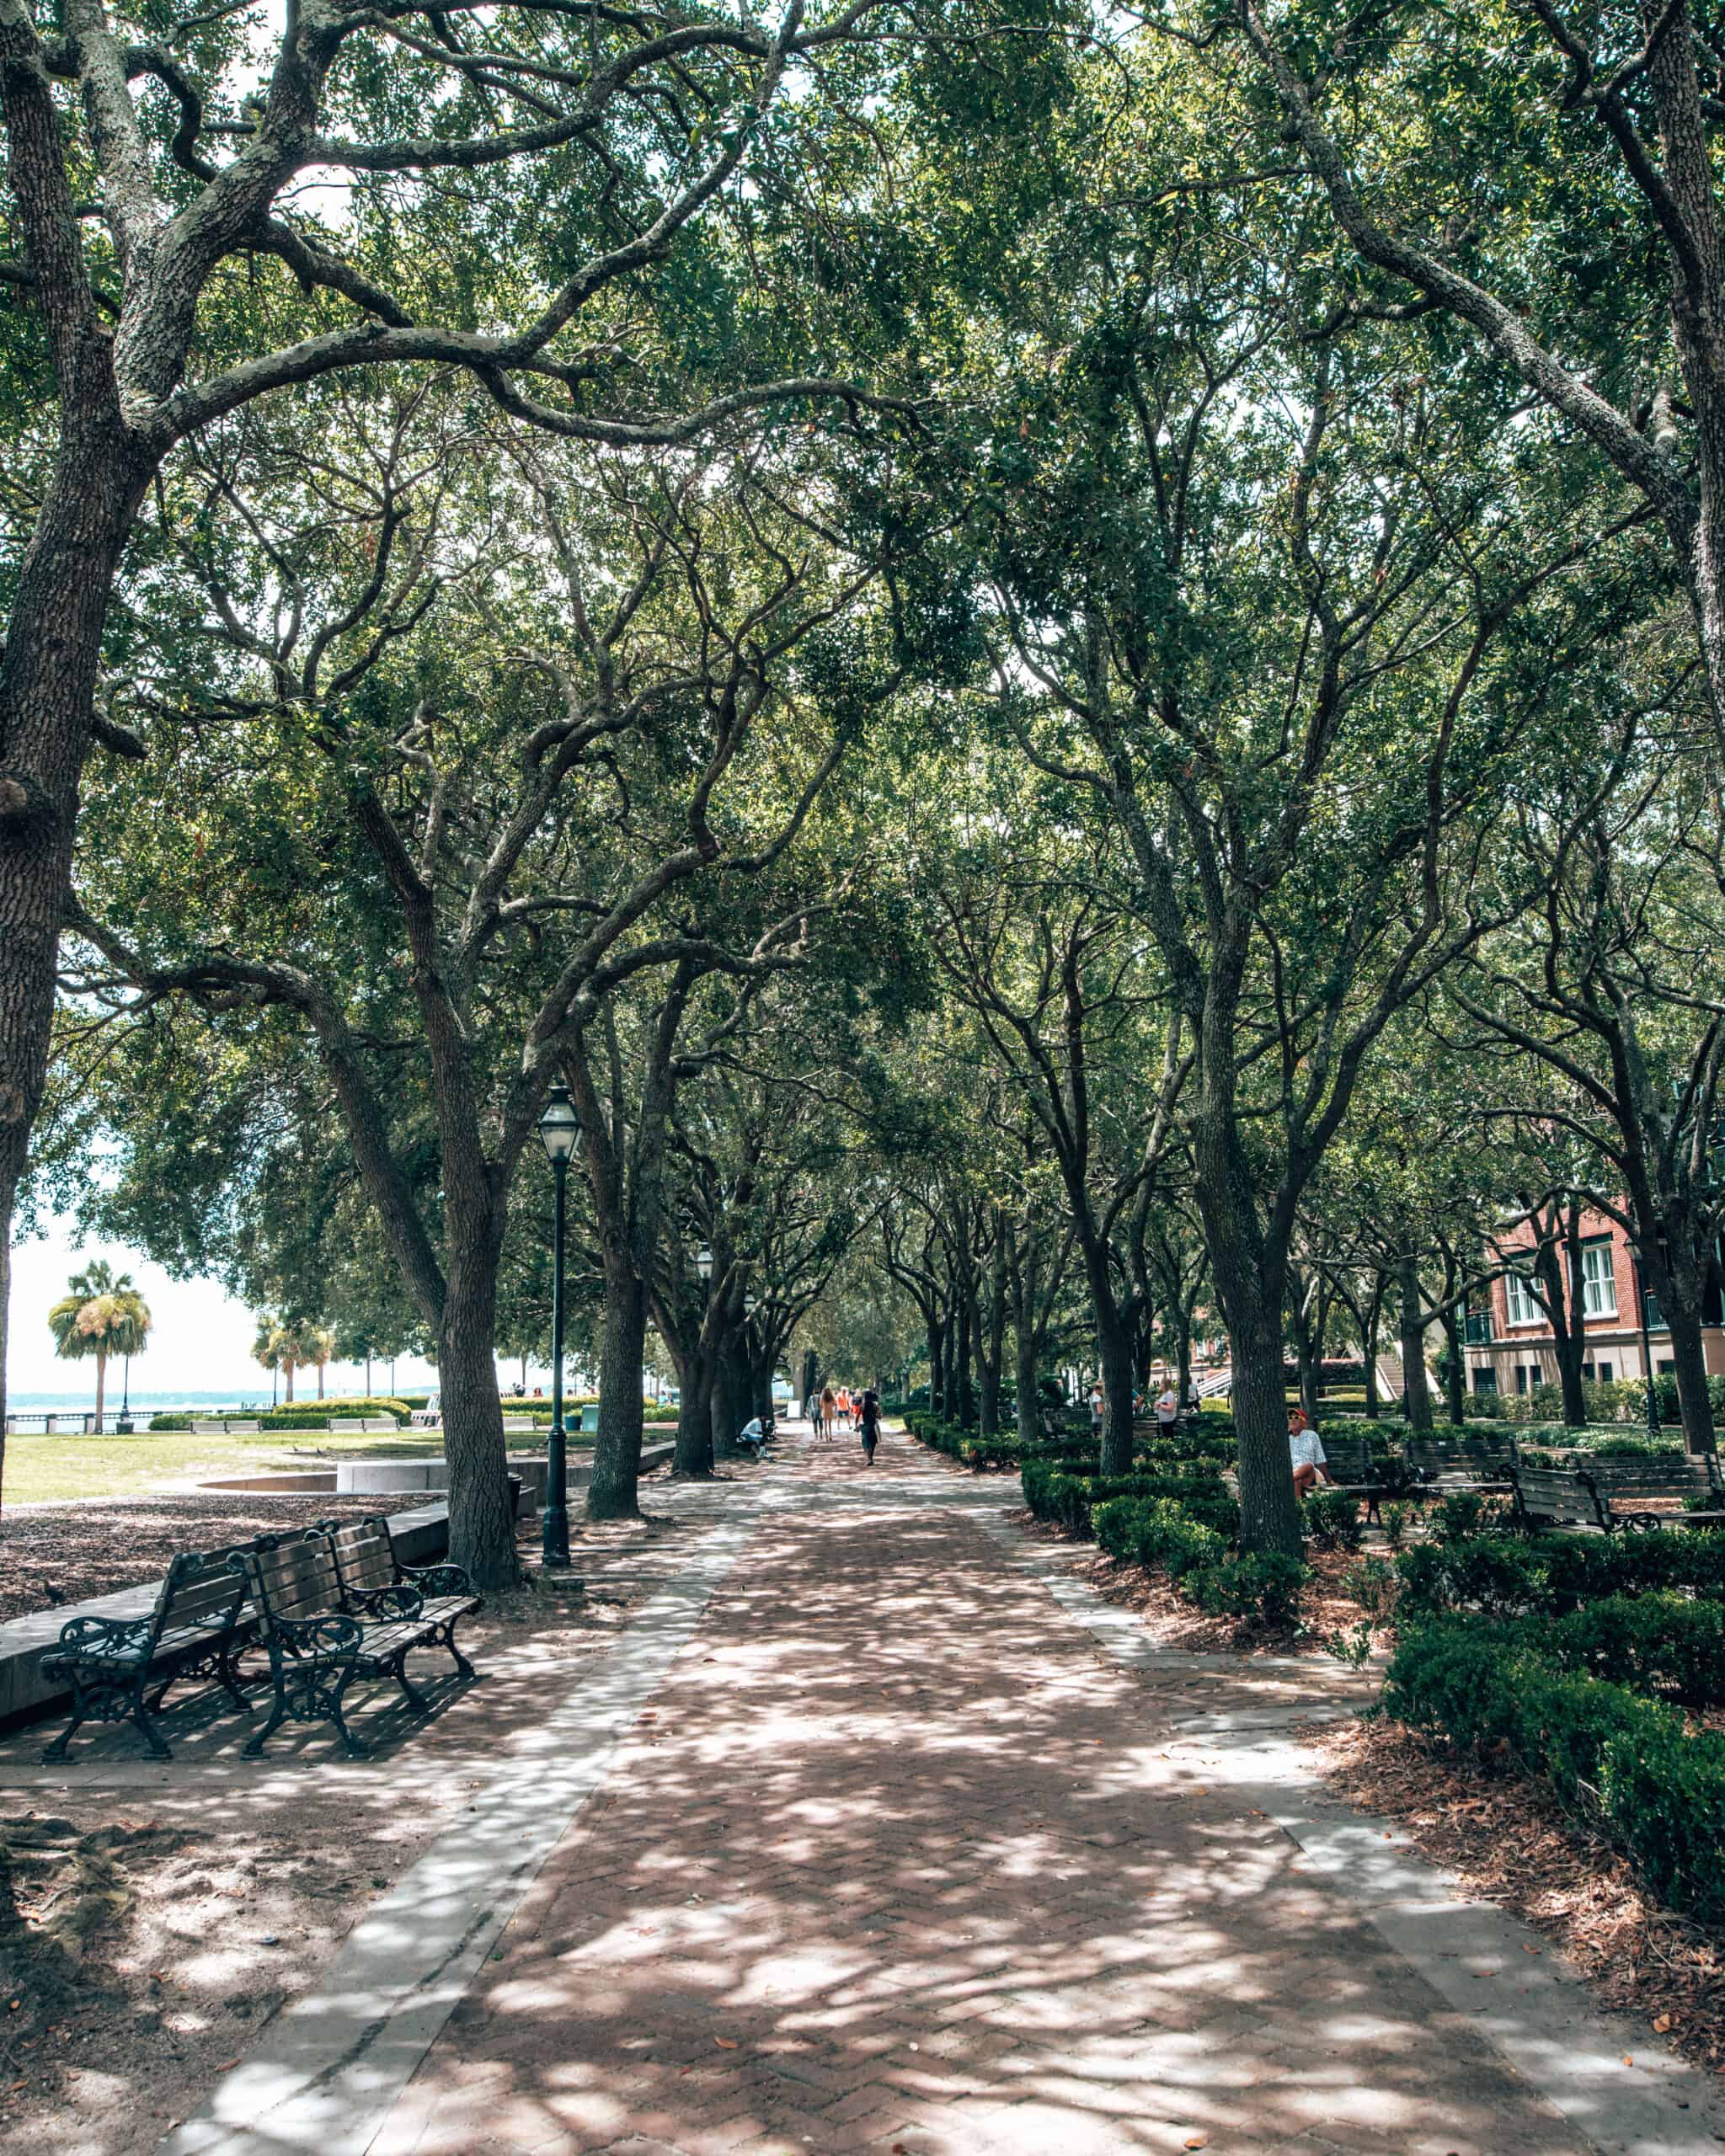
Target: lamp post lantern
704 1264
559 1133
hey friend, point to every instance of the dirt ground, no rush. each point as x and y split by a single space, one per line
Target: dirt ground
52 1554
154 1919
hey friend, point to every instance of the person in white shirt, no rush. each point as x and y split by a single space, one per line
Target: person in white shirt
1167 1411
1307 1452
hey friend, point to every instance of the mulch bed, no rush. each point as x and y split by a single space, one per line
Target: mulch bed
55 1554
1504 1836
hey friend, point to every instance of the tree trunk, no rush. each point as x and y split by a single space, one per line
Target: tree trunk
1680 1300
1369 1348
368 1373
694 1452
614 1492
49 659
7 1193
101 1387
726 1417
1270 1517
320 1380
1029 1429
1417 1397
1454 1367
963 1325
481 1528
287 1394
1568 1338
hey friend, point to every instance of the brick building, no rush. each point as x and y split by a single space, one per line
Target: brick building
1510 1336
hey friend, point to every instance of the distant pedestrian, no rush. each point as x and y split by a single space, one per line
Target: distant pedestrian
830 1410
812 1410
1167 1411
868 1421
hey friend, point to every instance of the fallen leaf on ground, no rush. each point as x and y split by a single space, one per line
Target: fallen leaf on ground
725 2044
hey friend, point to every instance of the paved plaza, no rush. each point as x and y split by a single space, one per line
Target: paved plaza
877 1831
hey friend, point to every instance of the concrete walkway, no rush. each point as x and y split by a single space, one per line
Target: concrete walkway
888 1836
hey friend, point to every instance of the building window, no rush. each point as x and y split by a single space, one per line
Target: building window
1598 1373
1485 1381
1599 1281
1519 1300
1668 1367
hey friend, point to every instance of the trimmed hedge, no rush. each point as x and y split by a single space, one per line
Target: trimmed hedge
1548 1575
1627 1763
1198 1554
1053 1493
303 1415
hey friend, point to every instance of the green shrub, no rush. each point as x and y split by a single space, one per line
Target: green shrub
1649 1642
1627 1763
1332 1519
1395 1517
1548 1575
1263 1589
1463 1514
303 1415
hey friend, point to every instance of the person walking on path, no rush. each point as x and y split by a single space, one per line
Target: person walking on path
869 1422
1167 1410
830 1411
813 1411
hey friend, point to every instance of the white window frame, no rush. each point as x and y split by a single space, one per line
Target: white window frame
1519 1298
1598 1280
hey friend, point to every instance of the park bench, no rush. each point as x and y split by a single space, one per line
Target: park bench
206 1429
1470 1462
1354 1470
1554 1497
245 1426
121 1667
318 1645
369 1566
516 1425
375 1425
1614 1480
348 1427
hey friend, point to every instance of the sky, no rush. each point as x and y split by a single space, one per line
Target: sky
201 1340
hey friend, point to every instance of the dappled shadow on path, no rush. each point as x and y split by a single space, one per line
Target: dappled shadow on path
896 1858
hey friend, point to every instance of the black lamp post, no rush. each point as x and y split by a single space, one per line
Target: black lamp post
123 1427
704 1264
559 1134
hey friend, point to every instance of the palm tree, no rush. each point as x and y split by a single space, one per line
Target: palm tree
101 1315
289 1344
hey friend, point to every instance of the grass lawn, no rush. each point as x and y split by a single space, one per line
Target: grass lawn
42 1469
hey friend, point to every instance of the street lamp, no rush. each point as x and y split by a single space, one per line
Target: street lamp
559 1133
704 1264
124 1425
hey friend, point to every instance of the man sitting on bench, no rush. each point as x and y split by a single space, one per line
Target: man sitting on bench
1308 1451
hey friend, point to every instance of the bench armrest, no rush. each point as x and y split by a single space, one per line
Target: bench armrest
398 1601
338 1637
437 1579
113 1638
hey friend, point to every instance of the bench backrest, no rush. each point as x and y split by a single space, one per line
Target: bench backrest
209 1429
296 1580
378 1422
517 1422
1348 1459
1555 1493
352 1426
363 1556
201 1588
1492 1453
1653 1478
245 1426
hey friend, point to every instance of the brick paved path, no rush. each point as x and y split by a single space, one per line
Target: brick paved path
897 1860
